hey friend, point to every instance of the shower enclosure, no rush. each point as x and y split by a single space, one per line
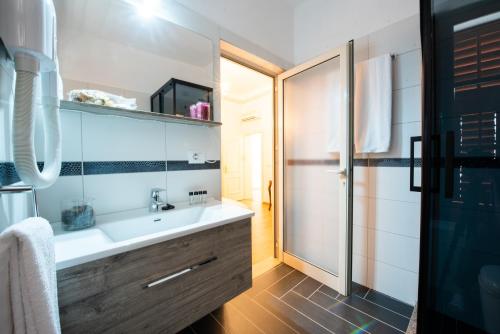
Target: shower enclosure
459 283
315 164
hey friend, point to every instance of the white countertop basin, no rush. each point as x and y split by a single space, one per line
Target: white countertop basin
128 230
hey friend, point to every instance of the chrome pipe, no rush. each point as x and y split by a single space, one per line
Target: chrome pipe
22 189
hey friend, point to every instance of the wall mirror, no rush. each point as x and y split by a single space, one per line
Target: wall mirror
121 48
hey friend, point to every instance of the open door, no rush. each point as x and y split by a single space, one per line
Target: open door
315 164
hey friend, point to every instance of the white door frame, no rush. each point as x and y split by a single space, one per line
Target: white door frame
341 282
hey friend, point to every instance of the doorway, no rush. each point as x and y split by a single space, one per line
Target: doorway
315 122
247 154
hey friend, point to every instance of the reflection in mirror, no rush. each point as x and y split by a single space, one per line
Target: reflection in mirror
117 47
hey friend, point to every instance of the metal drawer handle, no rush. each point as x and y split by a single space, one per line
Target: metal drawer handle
180 273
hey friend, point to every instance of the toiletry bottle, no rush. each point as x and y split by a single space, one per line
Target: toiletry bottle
196 197
191 198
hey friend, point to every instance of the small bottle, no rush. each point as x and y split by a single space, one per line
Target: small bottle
196 197
190 198
204 196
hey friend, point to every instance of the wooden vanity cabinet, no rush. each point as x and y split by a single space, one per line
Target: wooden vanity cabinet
161 288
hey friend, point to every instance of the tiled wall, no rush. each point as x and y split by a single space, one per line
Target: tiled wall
114 160
123 159
386 213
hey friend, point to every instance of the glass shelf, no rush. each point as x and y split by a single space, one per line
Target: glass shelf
137 114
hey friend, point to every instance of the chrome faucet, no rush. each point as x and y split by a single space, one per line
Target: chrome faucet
156 203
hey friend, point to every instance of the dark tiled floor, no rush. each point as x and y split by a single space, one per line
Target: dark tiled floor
284 300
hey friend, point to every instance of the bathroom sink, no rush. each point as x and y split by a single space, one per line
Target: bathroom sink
124 231
137 227
70 244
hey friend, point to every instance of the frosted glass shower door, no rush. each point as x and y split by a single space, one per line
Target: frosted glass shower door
315 133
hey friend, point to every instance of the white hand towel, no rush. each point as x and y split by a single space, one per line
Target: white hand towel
27 263
373 105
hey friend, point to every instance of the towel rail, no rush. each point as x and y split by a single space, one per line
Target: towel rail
22 189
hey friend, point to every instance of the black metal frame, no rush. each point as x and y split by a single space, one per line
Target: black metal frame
431 142
171 84
428 70
413 140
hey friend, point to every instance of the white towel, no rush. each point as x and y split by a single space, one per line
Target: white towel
27 270
373 105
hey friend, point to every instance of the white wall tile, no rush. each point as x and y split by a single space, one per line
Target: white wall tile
400 141
407 69
407 105
396 38
393 249
360 211
183 138
395 216
71 131
360 240
391 183
109 138
118 192
395 282
361 182
6 104
360 269
49 200
180 183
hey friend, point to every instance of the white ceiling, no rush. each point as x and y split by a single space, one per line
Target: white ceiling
239 83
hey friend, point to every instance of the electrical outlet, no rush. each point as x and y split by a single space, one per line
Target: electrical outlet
196 157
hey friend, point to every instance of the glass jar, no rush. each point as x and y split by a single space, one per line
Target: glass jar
77 214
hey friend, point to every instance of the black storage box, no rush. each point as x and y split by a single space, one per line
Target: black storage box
177 96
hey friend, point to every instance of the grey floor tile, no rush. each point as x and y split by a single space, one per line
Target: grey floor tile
377 312
307 287
234 321
269 278
390 303
320 315
260 316
286 283
296 320
329 291
359 290
352 315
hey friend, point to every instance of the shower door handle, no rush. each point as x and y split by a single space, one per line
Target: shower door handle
413 187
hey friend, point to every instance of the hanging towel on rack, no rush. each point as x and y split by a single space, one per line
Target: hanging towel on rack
373 105
28 272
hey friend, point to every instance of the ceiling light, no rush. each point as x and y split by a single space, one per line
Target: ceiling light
147 8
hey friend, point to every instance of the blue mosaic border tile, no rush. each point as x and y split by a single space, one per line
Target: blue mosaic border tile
118 167
393 162
8 174
361 162
181 165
